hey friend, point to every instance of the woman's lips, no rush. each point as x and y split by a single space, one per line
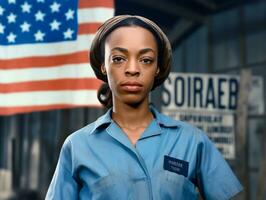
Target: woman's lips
131 86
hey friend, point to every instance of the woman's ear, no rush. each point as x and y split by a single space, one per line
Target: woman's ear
157 71
103 70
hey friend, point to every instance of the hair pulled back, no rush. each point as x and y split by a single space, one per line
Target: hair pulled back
97 51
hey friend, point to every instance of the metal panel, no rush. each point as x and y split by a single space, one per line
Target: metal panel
197 51
226 40
36 140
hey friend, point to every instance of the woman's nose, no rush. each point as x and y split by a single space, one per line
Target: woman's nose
132 68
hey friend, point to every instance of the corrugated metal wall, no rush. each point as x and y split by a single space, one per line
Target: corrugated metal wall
30 144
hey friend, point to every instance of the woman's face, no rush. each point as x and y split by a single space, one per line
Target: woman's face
131 64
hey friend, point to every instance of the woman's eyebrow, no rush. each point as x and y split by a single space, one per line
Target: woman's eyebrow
119 49
143 51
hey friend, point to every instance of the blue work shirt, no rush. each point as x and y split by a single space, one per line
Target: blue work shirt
170 160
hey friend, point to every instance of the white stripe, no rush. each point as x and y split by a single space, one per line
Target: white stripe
80 97
46 49
46 73
92 15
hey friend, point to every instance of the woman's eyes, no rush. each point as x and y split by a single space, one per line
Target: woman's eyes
120 59
146 60
117 59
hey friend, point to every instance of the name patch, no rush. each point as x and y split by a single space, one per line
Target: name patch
175 165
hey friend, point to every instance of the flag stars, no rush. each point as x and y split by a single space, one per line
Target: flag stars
39 36
25 27
39 16
2 28
1 10
55 7
11 38
11 18
55 25
68 33
12 1
26 7
69 14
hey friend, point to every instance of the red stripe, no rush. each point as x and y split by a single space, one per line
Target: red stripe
45 61
26 109
89 28
51 85
94 3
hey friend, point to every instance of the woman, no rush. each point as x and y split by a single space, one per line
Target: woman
133 151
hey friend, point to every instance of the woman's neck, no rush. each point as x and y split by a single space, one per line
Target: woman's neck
133 120
132 116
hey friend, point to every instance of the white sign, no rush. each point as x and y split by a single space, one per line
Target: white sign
209 101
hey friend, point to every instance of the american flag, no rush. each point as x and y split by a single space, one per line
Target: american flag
44 53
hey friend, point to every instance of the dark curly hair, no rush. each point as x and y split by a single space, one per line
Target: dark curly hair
97 51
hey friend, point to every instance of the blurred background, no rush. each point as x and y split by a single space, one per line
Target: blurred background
218 42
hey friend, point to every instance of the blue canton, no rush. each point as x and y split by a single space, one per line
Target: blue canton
38 21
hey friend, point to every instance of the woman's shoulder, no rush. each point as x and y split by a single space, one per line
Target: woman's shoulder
91 128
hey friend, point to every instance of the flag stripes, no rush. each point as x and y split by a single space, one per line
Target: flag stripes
45 61
34 74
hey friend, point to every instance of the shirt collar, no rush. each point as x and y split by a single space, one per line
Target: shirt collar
161 119
103 120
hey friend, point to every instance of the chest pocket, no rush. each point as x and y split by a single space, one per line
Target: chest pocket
104 188
118 187
169 185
